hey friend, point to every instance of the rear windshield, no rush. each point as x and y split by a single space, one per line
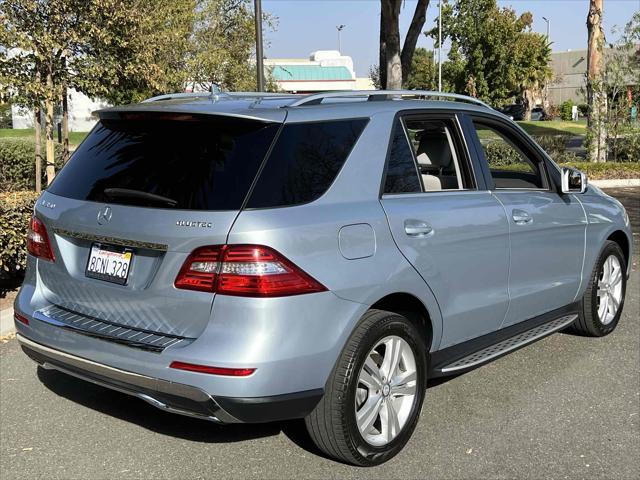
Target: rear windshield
191 162
304 162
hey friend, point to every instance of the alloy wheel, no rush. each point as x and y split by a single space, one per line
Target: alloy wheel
386 390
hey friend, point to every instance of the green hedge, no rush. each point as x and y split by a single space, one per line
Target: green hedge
607 170
15 211
17 164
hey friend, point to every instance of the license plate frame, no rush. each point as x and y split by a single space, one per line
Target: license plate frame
110 253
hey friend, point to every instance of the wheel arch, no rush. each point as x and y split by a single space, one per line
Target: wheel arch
620 237
411 307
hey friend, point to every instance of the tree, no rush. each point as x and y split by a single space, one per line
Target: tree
424 73
222 46
532 57
95 47
494 55
619 70
596 97
396 60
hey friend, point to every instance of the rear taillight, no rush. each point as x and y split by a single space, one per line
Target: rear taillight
38 243
244 270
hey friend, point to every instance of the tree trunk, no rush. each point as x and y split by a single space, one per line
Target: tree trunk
391 15
382 71
65 126
410 41
596 97
50 152
38 148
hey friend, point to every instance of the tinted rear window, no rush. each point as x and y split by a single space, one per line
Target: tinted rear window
199 162
304 162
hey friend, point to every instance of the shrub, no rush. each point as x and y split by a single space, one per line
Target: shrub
628 147
553 112
15 212
17 164
583 108
500 154
6 120
556 148
565 110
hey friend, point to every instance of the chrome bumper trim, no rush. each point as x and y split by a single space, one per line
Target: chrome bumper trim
160 393
109 331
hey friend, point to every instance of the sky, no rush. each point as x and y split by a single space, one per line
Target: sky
308 25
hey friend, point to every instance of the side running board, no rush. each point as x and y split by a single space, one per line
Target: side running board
512 343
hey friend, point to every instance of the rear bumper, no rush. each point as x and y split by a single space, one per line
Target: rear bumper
175 397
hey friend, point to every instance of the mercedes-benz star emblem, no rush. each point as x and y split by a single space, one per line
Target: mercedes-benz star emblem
104 215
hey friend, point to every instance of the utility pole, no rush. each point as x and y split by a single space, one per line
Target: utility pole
259 52
340 28
546 83
439 45
548 28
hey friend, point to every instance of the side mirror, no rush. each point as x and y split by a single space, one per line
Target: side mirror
573 181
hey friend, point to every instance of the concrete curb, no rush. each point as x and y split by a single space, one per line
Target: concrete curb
7 326
616 183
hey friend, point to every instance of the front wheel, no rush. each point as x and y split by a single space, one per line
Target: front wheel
603 300
374 395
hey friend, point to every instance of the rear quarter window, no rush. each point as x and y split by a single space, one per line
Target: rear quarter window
304 162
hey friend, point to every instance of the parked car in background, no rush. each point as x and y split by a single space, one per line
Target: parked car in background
257 257
538 114
515 111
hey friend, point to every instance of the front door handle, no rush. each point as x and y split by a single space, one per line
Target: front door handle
520 217
417 228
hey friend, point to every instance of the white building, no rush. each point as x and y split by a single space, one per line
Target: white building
80 113
324 70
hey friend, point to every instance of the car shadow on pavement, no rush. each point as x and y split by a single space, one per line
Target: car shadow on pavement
137 411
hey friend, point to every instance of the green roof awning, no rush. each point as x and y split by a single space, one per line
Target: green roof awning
310 72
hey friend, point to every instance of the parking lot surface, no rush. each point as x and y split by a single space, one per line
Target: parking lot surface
565 407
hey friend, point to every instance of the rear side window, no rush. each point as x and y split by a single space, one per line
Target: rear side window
185 162
304 162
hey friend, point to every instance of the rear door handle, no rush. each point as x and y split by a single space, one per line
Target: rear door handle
417 228
520 217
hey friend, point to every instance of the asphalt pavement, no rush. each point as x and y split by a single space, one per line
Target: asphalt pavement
564 407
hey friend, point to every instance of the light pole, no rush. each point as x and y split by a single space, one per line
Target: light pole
259 53
340 28
546 83
439 45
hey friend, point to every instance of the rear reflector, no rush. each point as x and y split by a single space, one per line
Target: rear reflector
229 372
20 318
38 243
244 270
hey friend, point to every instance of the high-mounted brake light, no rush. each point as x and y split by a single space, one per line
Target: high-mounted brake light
244 270
228 372
38 243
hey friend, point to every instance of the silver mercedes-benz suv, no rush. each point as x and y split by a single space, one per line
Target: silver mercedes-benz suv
254 257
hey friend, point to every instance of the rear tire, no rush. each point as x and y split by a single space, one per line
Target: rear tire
365 418
604 298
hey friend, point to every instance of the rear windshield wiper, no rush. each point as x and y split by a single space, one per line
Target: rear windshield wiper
115 193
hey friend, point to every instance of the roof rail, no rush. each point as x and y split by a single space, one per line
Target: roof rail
215 95
171 96
376 95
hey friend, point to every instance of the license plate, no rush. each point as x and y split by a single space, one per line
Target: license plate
109 263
